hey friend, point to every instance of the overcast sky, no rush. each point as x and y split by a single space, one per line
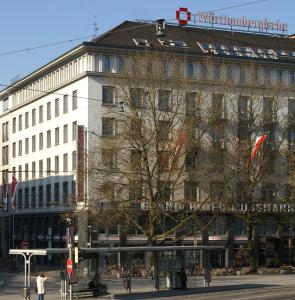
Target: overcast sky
29 23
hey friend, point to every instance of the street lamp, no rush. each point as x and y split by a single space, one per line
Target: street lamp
290 245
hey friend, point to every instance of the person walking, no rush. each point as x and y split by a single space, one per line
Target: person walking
40 280
183 279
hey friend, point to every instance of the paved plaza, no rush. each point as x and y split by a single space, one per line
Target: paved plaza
248 287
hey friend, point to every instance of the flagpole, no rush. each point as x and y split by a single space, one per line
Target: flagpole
13 237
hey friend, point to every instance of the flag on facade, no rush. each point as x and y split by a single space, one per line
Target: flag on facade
13 192
258 143
4 194
178 146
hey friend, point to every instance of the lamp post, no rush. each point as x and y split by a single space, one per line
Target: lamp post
290 245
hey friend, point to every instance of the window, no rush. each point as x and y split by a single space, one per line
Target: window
216 190
135 191
243 108
20 173
33 143
5 104
49 111
190 103
65 163
106 63
56 164
230 73
163 130
135 160
74 100
216 74
56 193
280 74
5 136
26 171
74 131
65 104
20 198
41 168
292 77
73 188
48 166
27 120
164 100
20 123
190 69
120 64
20 148
65 134
34 117
191 158
33 169
56 107
165 191
108 157
267 73
203 71
56 136
27 194
65 192
5 156
191 191
14 150
26 146
268 192
218 107
40 196
136 97
41 114
242 75
48 194
163 161
108 127
74 160
268 112
108 95
48 138
41 141
14 125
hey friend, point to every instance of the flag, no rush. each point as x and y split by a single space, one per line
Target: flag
4 194
13 192
178 145
259 141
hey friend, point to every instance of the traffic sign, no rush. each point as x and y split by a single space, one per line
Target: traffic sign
72 278
69 266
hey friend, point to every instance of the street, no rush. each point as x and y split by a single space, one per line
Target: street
248 287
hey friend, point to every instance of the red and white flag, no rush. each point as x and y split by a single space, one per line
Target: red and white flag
178 146
13 192
4 194
259 141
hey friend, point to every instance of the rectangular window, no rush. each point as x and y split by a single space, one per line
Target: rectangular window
163 130
41 114
26 146
164 100
190 103
191 191
33 169
27 120
49 111
48 166
268 110
135 160
73 189
230 73
56 164
292 77
20 173
267 73
41 168
65 163
280 74
56 193
65 192
48 194
65 104
26 171
34 117
27 195
190 69
56 107
20 148
40 141
74 160
108 95
218 107
106 63
242 75
203 71
33 196
5 136
48 138
216 74
108 158
120 64
19 198
74 100
243 108
136 97
108 127
40 196
14 150
33 143
65 134
74 131
291 110
14 125
5 156
56 136
20 123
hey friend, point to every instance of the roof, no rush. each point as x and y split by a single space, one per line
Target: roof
122 37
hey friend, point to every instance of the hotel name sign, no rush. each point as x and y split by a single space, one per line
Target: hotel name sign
184 17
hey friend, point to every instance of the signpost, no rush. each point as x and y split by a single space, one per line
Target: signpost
69 266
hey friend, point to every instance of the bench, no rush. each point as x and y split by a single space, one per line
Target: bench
95 292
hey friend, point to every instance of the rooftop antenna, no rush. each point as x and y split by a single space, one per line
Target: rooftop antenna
95 27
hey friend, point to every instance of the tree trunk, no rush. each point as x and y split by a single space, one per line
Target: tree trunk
252 259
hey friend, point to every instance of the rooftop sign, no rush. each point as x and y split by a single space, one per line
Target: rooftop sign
184 16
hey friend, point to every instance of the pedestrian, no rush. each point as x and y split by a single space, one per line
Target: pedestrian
183 279
40 280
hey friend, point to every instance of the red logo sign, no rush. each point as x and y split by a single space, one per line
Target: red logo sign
69 266
183 12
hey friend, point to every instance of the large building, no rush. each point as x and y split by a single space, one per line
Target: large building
53 116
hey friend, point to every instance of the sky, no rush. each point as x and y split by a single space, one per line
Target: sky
30 23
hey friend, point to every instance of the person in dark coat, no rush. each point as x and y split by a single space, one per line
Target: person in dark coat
183 279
